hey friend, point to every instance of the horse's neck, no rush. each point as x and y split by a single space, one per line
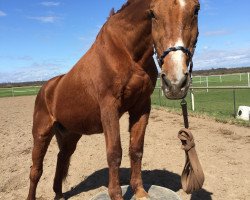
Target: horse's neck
138 40
134 33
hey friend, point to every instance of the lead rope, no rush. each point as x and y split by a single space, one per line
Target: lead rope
192 177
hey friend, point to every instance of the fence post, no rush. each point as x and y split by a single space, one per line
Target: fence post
159 96
192 99
234 96
162 94
220 78
248 77
207 83
12 91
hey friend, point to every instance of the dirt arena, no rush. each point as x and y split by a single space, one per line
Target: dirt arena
224 151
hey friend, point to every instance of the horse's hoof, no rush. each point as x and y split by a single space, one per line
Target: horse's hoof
141 194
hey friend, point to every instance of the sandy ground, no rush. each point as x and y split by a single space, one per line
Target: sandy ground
223 151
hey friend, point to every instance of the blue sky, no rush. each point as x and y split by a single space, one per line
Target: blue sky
41 39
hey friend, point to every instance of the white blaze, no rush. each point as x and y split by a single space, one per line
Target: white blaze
182 3
178 59
178 56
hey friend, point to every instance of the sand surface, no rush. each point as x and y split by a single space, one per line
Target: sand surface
224 152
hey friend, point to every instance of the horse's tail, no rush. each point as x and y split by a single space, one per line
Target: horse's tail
60 133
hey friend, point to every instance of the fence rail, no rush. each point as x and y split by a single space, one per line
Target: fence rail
220 87
234 88
19 91
241 78
212 98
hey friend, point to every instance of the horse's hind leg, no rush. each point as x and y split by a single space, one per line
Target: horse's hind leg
42 136
67 144
137 124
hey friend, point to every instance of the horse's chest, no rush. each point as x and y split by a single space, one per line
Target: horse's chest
139 86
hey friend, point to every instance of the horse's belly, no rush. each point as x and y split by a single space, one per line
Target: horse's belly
79 113
81 120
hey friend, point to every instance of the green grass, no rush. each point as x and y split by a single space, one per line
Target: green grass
218 104
215 103
19 91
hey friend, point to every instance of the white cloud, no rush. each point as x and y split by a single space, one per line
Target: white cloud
83 38
46 19
21 58
36 72
216 33
208 8
50 3
206 4
89 38
222 58
2 14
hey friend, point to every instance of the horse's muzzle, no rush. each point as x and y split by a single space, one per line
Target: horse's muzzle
175 91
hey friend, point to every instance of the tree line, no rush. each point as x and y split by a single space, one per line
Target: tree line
208 72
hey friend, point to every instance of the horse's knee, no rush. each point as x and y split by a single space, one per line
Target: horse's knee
114 157
35 174
135 153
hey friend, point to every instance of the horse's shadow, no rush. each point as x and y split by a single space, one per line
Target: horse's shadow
162 178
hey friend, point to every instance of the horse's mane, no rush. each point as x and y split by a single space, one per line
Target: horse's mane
124 6
112 11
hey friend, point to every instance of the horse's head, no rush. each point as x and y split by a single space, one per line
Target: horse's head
175 32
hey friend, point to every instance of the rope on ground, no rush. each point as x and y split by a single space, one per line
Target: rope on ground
192 177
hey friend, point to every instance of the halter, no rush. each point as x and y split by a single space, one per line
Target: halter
177 48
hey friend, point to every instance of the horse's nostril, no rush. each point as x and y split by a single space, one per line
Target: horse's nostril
166 81
184 82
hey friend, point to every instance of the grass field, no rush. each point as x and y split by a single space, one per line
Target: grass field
19 91
215 102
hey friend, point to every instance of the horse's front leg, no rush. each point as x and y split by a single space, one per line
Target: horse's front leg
110 123
138 121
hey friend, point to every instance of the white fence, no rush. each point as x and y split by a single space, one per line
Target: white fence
234 88
19 91
207 80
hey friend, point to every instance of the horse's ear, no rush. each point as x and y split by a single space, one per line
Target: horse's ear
112 12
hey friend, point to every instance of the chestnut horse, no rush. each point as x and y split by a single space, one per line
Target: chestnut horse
116 75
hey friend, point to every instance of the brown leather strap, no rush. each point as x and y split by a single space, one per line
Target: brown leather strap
192 177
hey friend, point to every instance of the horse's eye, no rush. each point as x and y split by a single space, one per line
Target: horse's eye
196 11
151 14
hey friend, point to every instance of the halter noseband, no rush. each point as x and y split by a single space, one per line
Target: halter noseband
177 48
